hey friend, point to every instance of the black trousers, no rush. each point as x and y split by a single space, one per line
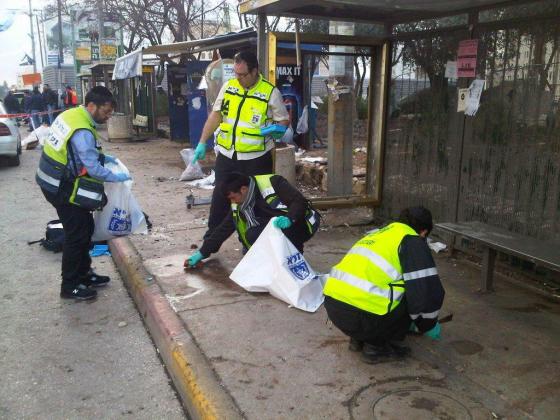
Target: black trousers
78 228
297 234
220 205
377 330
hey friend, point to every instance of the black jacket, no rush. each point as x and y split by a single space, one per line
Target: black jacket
423 290
12 104
37 103
50 97
297 206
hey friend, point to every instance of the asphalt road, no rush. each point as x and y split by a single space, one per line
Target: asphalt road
60 358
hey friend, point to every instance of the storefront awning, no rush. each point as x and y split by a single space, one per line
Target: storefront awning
231 40
128 66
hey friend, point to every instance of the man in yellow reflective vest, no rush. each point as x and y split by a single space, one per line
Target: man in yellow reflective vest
255 200
249 113
71 173
386 285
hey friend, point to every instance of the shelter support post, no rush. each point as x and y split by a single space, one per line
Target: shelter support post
341 114
378 94
487 273
262 42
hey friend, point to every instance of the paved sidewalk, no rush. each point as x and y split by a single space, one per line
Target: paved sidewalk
237 354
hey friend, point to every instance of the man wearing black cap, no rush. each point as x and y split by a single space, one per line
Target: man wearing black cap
386 285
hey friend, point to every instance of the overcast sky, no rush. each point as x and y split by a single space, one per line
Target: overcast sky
15 42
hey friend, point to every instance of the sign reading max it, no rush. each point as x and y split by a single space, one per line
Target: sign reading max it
466 58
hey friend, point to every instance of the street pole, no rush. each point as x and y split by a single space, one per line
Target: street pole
60 46
32 37
40 43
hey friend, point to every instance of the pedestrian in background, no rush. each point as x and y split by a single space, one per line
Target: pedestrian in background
71 174
51 102
37 106
69 97
12 103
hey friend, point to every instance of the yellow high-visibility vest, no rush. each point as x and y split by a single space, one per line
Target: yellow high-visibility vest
370 276
244 113
53 165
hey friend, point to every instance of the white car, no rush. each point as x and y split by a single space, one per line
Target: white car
10 139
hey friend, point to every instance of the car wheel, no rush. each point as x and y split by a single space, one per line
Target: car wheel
14 160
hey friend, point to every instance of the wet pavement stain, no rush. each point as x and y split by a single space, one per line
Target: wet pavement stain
424 403
333 342
466 347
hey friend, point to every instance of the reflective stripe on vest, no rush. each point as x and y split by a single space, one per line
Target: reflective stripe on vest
244 113
240 225
370 276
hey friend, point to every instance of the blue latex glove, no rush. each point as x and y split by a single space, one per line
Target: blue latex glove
434 333
194 259
99 250
122 177
199 152
110 159
275 130
282 222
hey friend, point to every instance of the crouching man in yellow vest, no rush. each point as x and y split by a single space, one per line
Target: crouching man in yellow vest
248 114
71 174
254 202
386 285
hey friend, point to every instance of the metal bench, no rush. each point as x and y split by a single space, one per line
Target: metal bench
494 239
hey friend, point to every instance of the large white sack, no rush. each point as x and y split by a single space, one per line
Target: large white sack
274 265
122 215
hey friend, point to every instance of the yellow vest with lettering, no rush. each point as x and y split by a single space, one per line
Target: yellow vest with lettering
244 113
370 276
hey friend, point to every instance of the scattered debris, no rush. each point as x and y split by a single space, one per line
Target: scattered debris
436 246
204 183
191 200
122 324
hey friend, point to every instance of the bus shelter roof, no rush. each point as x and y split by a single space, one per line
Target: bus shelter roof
374 11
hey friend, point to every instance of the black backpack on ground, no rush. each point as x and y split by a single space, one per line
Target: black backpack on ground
54 237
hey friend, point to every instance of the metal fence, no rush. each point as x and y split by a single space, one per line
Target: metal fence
501 166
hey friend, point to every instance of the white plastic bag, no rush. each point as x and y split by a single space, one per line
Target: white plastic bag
193 171
302 124
122 215
273 264
204 183
36 136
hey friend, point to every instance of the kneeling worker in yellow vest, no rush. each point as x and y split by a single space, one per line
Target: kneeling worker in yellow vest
255 200
386 285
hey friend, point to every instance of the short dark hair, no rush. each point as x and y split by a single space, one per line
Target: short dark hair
418 218
100 95
248 57
233 183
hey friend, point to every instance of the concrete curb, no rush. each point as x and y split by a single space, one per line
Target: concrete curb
201 393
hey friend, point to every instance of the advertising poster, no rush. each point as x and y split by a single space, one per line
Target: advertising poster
466 58
289 81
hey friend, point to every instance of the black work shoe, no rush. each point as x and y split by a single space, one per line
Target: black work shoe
355 345
95 280
376 354
80 292
400 351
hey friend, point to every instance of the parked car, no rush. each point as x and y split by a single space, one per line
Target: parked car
10 139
